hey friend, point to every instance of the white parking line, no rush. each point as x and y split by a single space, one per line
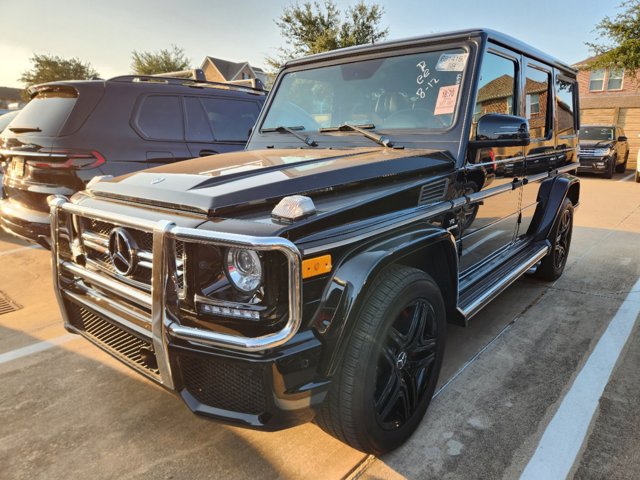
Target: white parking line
35 348
16 250
628 177
565 434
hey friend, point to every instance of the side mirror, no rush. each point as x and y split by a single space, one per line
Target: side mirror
622 138
499 130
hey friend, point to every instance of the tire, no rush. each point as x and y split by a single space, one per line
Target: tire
553 264
623 166
391 364
610 168
637 176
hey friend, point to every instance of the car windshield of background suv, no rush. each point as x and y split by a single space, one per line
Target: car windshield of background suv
596 134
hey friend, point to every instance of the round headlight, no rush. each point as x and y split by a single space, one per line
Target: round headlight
244 269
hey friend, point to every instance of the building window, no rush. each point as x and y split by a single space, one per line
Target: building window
534 105
615 79
596 81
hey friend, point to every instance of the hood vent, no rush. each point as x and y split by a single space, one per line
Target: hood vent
433 192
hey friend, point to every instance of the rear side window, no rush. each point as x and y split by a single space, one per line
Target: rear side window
47 111
565 106
160 118
538 96
198 128
231 119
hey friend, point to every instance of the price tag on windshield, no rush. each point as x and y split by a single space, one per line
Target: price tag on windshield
446 102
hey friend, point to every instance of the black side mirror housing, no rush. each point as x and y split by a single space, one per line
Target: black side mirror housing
622 138
499 130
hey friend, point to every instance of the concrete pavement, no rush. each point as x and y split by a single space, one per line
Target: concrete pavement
71 411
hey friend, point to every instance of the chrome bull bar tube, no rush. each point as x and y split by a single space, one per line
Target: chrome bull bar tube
164 298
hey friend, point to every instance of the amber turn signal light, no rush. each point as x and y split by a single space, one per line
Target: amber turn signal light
312 267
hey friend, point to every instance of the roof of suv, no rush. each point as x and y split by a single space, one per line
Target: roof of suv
150 81
485 33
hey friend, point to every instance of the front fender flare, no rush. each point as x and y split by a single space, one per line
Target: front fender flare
344 295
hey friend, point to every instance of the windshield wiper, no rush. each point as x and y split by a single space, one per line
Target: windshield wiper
292 130
345 127
24 129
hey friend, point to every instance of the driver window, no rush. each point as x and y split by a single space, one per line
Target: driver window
496 91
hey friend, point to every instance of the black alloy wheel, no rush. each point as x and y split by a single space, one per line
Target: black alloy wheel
405 365
391 363
553 264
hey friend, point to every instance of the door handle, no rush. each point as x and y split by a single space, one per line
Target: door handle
206 153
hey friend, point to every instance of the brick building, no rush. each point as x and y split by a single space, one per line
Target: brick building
611 96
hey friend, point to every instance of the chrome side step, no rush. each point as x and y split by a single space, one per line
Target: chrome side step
476 296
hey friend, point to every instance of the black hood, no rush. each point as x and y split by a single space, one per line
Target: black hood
215 184
597 143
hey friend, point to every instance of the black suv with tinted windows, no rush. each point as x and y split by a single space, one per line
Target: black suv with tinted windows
603 149
73 131
386 190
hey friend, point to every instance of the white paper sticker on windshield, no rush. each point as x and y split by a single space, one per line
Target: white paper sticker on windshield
446 102
452 62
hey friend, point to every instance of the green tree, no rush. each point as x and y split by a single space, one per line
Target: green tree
620 39
162 61
49 68
312 27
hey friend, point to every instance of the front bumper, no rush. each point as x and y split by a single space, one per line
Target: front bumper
264 382
594 164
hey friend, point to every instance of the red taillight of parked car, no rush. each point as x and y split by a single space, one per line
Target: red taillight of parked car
69 159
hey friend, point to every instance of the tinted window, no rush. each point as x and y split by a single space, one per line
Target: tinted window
564 101
231 119
198 129
537 96
47 111
160 118
497 86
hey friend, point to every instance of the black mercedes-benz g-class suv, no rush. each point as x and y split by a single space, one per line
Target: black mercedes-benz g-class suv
387 190
72 131
602 149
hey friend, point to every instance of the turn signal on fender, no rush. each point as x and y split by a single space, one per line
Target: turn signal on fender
312 267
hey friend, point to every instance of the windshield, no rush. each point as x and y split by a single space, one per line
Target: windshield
403 92
596 133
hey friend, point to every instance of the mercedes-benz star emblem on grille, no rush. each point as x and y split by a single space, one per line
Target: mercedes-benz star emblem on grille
122 251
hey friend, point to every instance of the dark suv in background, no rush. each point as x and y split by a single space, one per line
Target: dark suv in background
603 149
73 131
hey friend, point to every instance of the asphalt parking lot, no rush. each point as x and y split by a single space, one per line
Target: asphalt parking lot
543 383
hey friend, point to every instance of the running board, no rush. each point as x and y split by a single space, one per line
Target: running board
476 296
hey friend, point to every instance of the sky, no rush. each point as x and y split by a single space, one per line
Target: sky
105 33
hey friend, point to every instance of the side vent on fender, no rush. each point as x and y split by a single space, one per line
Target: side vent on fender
433 192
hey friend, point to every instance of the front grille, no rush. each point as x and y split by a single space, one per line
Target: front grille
225 385
590 152
96 242
125 346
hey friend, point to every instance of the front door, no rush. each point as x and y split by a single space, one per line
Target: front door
489 223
